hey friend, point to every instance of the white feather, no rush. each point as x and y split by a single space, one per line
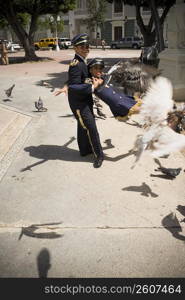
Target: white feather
167 141
157 102
114 68
158 138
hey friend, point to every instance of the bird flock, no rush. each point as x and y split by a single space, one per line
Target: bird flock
160 120
39 105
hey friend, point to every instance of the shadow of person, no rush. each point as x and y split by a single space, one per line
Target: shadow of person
171 223
67 116
144 189
119 157
43 263
54 152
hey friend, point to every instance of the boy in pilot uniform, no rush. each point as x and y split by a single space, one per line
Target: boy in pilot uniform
81 102
121 105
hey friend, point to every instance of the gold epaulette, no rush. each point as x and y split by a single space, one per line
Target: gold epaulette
74 62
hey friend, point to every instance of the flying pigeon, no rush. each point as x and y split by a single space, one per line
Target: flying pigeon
39 105
158 138
8 92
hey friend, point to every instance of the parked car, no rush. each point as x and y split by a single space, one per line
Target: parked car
13 46
128 42
64 43
45 43
10 45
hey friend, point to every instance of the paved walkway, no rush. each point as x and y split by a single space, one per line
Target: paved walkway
59 216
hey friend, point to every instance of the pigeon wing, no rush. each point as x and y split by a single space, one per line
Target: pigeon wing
36 105
157 102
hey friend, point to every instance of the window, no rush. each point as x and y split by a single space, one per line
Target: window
118 6
129 39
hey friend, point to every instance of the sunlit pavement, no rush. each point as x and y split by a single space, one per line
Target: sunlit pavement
114 221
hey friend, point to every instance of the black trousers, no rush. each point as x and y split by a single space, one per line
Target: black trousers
87 132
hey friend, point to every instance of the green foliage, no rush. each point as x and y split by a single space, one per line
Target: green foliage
96 13
38 6
3 23
24 18
14 13
48 23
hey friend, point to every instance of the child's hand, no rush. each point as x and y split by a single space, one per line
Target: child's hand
63 90
97 82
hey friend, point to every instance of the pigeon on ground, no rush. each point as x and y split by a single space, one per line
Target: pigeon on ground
39 105
8 92
99 112
171 172
97 102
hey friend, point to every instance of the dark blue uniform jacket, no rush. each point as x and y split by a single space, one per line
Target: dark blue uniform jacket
79 93
118 102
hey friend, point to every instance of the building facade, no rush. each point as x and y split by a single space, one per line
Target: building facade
120 21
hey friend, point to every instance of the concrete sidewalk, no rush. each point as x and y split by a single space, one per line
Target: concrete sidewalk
59 216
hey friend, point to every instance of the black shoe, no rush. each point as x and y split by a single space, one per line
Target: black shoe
98 162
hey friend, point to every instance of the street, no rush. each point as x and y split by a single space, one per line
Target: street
59 216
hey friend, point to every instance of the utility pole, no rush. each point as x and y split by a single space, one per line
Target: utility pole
57 46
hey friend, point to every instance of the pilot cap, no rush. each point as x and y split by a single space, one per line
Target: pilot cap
95 62
80 39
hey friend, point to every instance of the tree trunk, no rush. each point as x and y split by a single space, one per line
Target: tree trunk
158 26
25 39
149 38
146 30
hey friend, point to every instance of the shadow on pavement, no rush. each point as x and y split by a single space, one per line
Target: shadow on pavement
67 116
43 263
54 152
30 231
57 80
181 209
21 59
163 176
171 223
144 189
